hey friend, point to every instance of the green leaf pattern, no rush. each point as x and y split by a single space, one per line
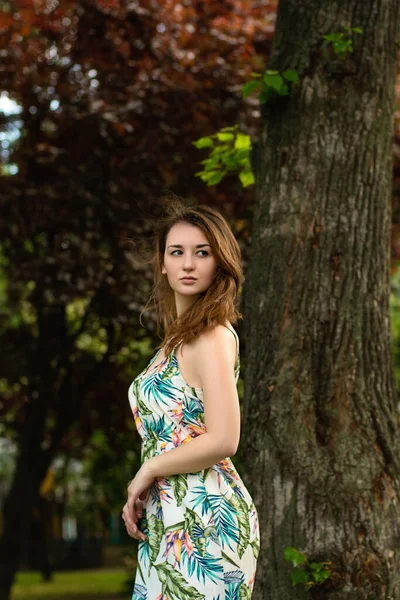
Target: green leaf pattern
174 585
155 533
180 486
192 520
243 522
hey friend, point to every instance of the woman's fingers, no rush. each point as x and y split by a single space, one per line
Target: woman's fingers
132 532
129 523
131 508
131 526
144 494
139 508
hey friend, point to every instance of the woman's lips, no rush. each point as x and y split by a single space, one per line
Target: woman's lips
188 280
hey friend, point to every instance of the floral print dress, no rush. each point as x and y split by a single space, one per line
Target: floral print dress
202 528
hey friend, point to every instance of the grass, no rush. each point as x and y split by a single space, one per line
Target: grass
96 584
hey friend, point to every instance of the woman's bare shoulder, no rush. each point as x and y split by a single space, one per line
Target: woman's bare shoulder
213 342
215 357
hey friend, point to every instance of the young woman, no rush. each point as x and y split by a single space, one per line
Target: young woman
195 520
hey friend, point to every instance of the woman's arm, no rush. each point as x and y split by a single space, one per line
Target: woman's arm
215 360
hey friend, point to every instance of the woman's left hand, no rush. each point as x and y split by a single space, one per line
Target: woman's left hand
137 491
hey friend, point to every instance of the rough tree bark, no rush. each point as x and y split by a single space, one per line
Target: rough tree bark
321 427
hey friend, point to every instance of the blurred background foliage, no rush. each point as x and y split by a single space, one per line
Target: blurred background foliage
100 103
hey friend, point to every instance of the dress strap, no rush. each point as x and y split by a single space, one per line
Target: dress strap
237 341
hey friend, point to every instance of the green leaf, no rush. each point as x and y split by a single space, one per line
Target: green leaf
258 75
273 81
357 30
242 141
211 163
284 91
243 157
265 95
225 137
230 162
325 574
246 178
294 556
249 87
291 75
342 47
333 37
320 576
269 72
298 576
221 148
215 177
204 142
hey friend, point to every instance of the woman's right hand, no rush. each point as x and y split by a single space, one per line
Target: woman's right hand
133 531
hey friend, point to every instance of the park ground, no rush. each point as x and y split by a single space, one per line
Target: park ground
95 584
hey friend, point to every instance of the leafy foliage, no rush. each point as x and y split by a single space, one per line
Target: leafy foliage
109 97
342 42
309 574
271 83
230 153
230 150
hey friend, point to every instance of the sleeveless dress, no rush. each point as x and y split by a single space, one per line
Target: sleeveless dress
202 528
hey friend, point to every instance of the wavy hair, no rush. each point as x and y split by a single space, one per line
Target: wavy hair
220 301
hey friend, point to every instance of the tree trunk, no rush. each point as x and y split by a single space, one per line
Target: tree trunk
321 427
17 514
39 558
39 444
33 458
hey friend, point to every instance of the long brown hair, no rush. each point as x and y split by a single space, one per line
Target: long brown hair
219 303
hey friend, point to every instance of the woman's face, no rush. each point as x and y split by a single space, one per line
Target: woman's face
188 254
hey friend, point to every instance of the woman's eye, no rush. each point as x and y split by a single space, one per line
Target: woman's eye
205 252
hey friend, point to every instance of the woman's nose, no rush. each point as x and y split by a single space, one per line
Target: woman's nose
188 261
